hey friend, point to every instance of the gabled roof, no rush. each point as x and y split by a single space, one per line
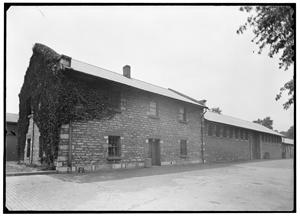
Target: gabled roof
116 77
288 141
11 117
225 119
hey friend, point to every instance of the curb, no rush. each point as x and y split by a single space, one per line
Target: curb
30 173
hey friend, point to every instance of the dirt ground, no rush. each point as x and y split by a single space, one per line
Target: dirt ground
252 186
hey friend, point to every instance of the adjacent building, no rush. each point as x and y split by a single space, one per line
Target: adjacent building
11 137
287 148
228 139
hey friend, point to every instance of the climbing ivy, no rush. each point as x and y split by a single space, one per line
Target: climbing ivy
55 97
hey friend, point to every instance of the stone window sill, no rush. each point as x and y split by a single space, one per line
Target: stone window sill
183 121
183 156
114 158
153 116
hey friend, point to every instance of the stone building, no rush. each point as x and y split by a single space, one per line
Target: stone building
11 137
151 123
228 139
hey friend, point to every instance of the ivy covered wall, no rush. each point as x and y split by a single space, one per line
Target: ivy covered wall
55 97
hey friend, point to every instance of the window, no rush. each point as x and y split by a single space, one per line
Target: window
153 109
242 134
262 137
210 129
218 130
236 132
183 148
28 147
246 135
182 114
224 131
230 132
114 146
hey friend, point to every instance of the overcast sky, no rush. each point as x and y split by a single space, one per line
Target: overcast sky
194 50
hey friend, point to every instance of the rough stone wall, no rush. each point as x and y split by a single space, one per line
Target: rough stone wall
33 134
89 139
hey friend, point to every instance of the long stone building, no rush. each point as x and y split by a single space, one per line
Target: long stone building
150 125
228 138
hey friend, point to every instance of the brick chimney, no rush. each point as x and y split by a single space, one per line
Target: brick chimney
126 71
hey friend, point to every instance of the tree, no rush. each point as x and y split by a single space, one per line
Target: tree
267 122
289 133
273 27
216 110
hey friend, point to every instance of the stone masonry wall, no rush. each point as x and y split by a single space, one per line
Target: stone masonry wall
33 134
134 126
274 150
226 149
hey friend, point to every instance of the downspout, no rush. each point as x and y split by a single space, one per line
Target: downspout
70 147
202 134
32 143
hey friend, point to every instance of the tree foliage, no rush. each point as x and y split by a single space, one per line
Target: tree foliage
289 133
53 98
216 110
267 122
273 27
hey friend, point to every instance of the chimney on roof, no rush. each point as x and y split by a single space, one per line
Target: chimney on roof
126 71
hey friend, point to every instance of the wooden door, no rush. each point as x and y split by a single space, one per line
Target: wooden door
155 151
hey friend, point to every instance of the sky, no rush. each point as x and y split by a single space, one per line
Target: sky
192 49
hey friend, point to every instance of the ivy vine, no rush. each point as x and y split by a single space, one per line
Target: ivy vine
55 97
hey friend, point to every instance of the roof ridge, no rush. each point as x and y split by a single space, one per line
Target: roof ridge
121 74
245 120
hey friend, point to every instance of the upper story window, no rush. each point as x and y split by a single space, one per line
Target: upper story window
182 114
153 108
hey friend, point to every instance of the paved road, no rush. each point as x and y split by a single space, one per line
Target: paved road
253 186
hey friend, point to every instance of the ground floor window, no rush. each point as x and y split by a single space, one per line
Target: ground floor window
183 148
114 146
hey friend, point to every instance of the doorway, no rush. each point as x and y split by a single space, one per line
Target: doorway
154 148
